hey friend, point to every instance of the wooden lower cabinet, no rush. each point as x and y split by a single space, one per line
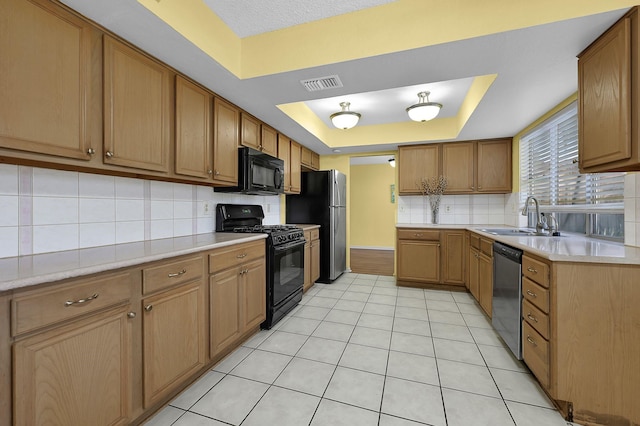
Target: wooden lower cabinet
427 256
485 283
315 260
474 272
311 258
77 374
112 348
237 289
173 338
480 276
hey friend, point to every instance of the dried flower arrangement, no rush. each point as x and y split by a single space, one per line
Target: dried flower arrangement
433 188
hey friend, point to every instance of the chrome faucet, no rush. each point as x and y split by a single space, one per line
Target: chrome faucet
525 211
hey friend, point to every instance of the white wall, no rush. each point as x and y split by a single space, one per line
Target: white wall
632 209
43 210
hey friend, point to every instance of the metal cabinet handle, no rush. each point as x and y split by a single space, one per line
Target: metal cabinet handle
530 340
91 151
217 173
532 318
209 172
81 301
532 294
244 271
473 187
148 308
131 315
417 235
109 154
177 274
533 270
241 256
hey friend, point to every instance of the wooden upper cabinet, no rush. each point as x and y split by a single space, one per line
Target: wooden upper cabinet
416 162
193 130
137 109
309 160
296 176
284 153
45 73
269 138
459 166
226 120
493 168
258 136
249 131
607 75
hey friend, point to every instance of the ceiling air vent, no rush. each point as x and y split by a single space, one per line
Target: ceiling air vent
322 83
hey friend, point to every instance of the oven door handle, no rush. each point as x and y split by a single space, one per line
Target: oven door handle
290 245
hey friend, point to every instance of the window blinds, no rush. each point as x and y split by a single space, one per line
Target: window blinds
549 168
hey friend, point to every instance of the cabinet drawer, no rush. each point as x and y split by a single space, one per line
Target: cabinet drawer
536 270
535 352
536 318
40 308
486 247
535 294
474 241
315 234
418 234
169 274
235 255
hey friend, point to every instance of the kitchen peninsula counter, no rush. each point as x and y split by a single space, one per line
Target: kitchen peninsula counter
24 271
566 248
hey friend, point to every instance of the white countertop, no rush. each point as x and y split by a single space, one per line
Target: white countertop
23 271
566 248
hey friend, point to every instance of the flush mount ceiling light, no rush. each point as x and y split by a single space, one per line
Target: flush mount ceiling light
392 162
345 119
424 111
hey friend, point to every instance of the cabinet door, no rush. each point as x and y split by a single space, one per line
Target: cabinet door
315 161
458 165
296 177
193 130
224 309
419 261
414 163
254 294
173 338
315 260
474 273
46 73
485 274
249 131
284 153
604 79
269 141
305 157
494 166
225 142
307 265
78 374
137 109
453 258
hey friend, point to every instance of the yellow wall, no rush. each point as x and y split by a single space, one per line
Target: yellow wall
373 216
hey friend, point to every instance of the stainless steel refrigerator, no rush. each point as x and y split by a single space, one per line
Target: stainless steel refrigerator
323 201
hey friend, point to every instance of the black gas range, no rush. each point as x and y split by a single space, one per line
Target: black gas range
284 255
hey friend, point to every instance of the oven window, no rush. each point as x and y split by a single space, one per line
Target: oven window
289 272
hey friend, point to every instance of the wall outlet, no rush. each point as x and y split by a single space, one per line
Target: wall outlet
401 209
206 209
268 208
447 209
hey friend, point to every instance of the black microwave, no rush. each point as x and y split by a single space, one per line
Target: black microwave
258 174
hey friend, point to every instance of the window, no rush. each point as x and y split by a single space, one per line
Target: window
591 203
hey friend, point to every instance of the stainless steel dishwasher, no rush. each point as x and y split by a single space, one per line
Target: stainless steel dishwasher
507 296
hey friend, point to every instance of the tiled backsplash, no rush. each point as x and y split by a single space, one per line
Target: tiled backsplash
462 209
43 210
632 209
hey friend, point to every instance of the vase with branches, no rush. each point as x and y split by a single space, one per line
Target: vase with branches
433 188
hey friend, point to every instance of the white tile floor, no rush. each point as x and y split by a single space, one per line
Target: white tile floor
362 351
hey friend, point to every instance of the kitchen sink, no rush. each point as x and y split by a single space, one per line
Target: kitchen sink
525 232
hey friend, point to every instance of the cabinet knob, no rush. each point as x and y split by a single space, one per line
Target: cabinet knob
91 151
109 154
473 187
217 173
131 315
209 172
148 308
